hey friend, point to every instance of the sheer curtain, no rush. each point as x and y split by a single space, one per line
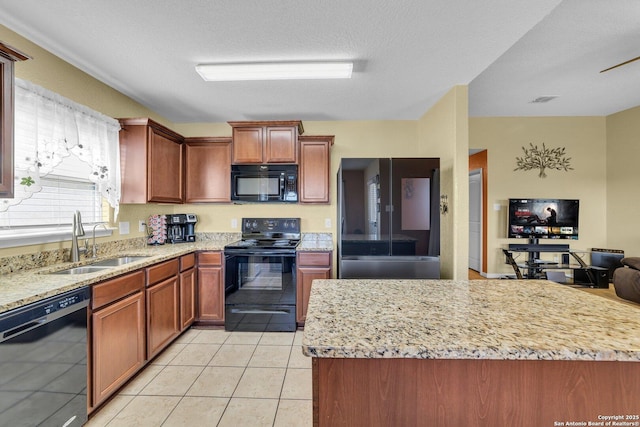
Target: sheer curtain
48 128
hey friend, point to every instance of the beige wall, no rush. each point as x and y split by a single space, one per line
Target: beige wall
585 140
623 179
444 132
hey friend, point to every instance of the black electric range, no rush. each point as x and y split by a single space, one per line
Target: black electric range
260 276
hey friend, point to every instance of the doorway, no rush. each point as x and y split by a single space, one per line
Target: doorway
478 164
475 220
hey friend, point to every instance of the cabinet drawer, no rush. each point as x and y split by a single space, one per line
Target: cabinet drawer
187 261
210 258
114 289
157 273
314 258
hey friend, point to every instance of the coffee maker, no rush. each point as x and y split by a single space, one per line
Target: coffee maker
181 228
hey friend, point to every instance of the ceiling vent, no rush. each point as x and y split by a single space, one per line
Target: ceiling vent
542 99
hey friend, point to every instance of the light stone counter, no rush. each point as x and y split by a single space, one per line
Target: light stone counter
25 279
483 319
30 285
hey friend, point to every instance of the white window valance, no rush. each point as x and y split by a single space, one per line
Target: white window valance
50 127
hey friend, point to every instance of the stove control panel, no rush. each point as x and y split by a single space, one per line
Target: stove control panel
270 225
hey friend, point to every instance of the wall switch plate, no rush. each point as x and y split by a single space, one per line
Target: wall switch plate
123 227
234 223
327 222
497 207
142 226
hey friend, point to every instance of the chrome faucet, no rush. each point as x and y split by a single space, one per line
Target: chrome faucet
78 231
94 251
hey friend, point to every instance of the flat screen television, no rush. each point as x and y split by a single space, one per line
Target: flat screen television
543 218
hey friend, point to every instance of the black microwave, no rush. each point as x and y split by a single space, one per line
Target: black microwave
264 183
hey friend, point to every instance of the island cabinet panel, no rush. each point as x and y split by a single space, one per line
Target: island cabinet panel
210 285
187 291
483 393
207 170
265 141
315 159
151 162
163 306
310 266
117 335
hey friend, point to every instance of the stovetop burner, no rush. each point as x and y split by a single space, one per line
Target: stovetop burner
268 233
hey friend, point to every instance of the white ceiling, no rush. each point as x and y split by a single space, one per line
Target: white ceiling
407 54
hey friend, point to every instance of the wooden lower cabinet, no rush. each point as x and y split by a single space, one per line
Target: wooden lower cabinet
310 266
210 284
118 342
163 315
187 298
163 305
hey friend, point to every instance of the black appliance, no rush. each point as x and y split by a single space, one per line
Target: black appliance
389 222
260 276
264 183
181 228
43 362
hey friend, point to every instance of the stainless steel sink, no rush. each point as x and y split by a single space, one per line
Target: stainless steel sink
117 261
81 270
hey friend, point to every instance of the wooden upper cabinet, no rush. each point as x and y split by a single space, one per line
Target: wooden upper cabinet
207 170
265 141
315 160
151 162
281 144
8 56
247 144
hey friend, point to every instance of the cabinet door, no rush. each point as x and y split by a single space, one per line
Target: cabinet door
210 294
163 315
247 144
118 345
306 275
207 172
187 298
314 169
281 144
164 169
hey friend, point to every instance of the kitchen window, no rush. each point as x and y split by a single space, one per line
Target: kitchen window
66 159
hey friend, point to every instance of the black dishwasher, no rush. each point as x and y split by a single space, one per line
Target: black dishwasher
43 362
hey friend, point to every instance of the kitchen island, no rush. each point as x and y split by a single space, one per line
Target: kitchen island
470 353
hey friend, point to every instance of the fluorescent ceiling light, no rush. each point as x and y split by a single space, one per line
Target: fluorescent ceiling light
275 71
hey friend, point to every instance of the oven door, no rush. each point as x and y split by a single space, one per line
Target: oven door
260 292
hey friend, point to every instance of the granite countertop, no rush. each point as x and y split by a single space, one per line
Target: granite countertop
29 285
23 287
482 319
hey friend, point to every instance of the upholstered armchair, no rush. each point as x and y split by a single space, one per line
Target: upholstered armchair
626 280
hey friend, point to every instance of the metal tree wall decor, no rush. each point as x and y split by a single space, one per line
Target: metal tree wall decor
542 159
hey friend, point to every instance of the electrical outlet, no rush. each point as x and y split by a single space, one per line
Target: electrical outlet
142 226
234 223
327 222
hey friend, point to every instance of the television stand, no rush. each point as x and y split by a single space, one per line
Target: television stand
534 267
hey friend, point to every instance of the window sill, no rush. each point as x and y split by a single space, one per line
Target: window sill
14 238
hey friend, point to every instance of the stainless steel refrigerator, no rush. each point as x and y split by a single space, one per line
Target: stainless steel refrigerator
389 223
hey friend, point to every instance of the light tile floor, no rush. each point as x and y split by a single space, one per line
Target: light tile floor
218 378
